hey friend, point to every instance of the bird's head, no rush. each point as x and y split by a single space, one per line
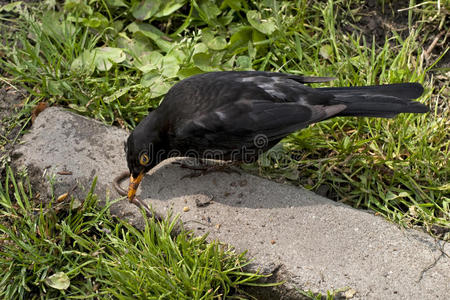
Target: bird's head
141 151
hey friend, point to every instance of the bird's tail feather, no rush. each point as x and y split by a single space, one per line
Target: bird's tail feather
385 101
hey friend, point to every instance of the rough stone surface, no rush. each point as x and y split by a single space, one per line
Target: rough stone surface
309 241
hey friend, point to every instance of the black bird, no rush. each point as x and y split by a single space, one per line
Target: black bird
237 115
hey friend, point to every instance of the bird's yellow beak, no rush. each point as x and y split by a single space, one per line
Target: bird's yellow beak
134 184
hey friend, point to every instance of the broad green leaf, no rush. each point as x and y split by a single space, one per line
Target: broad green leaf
214 43
200 48
326 51
208 62
169 7
55 88
59 281
149 62
114 54
124 42
203 61
244 62
217 43
240 38
148 79
208 10
158 86
116 3
118 25
139 46
146 9
207 34
226 19
258 36
84 63
234 4
170 66
229 65
188 72
106 56
167 65
96 20
151 32
103 64
178 54
265 26
77 7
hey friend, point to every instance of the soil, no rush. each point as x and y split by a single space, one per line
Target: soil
381 21
11 102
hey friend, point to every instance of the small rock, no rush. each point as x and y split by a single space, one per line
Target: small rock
186 209
203 200
350 293
243 182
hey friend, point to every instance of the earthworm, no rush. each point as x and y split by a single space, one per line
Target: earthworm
136 201
118 180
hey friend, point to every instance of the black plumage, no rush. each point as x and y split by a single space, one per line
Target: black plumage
224 113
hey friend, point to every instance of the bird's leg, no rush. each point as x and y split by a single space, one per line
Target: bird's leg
203 168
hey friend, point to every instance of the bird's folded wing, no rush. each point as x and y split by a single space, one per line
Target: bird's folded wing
241 121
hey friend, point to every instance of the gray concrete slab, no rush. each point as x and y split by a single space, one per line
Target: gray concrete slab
309 241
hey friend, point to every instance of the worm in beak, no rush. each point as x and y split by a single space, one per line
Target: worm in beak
134 184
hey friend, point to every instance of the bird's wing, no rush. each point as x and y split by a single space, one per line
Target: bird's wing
271 105
236 124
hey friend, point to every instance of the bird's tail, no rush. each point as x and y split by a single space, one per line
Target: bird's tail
385 101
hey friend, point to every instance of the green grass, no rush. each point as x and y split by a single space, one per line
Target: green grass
114 60
77 250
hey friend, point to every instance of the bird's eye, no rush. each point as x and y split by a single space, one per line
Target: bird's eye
144 159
